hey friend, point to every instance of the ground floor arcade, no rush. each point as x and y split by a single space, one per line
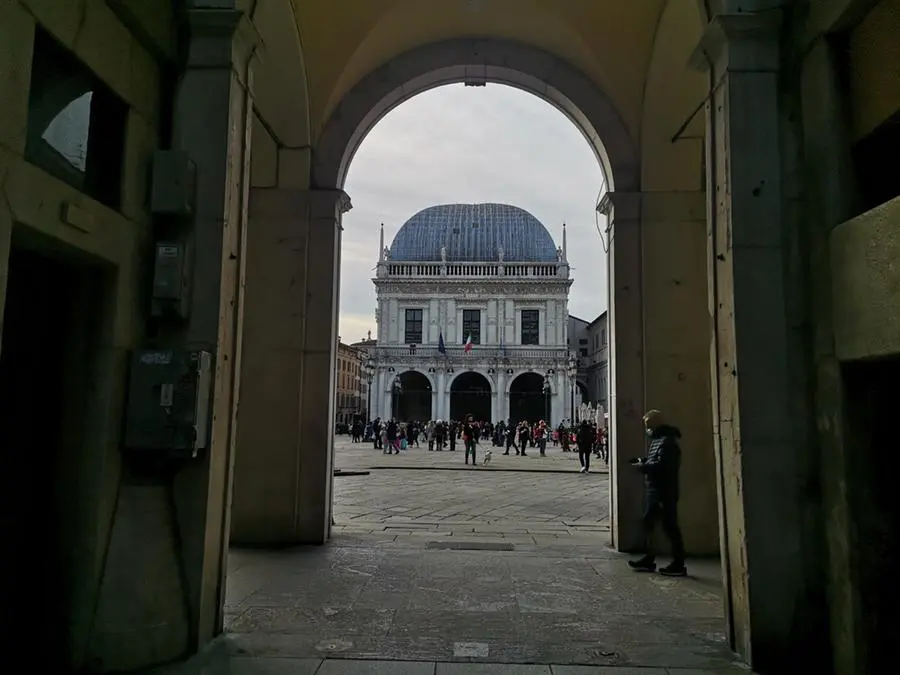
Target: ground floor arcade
488 394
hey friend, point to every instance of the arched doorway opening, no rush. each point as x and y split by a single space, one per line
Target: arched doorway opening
413 397
592 111
470 394
528 399
581 394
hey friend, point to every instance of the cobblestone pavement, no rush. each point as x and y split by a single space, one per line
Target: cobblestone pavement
356 456
482 572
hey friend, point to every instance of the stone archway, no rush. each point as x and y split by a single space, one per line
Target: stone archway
585 103
470 394
528 400
413 397
499 61
502 61
581 393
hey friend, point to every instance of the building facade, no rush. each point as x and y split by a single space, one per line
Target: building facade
472 312
578 345
366 348
595 365
349 393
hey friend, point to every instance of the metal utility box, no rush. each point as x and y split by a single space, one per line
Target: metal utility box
173 185
169 402
170 280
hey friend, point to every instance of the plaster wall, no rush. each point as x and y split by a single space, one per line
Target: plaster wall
866 284
874 68
33 203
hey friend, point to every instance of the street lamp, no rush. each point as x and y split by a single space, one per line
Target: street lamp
396 389
572 372
369 370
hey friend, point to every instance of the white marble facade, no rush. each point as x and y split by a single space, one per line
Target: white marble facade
489 270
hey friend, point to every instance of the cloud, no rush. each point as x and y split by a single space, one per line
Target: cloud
464 144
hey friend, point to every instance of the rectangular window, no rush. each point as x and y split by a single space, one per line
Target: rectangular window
583 352
582 341
76 124
602 336
413 329
531 327
472 325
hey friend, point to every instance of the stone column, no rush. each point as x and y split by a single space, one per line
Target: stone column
502 400
435 396
758 391
212 124
378 394
284 465
676 349
443 404
626 359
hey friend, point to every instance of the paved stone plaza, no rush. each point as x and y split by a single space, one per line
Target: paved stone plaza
444 571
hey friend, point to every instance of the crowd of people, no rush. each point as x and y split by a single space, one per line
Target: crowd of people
392 436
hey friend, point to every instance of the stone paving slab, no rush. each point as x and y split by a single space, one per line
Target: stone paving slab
362 456
407 603
381 599
221 662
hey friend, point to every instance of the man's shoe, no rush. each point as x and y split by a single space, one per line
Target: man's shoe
674 570
645 564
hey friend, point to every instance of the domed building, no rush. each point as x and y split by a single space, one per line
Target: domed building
472 312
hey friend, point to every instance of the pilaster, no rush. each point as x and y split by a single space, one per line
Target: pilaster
283 471
756 359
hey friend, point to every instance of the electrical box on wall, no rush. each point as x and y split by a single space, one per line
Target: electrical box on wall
170 275
174 184
169 402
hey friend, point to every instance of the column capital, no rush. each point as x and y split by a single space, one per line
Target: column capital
327 203
290 202
221 38
621 205
748 41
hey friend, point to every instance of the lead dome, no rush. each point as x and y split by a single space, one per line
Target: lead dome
473 233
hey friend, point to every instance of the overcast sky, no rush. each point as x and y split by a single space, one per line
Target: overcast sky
459 144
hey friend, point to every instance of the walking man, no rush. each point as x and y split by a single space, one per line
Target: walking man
660 468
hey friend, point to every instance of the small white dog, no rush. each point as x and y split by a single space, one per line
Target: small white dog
487 458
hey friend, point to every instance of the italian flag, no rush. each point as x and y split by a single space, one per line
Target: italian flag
468 347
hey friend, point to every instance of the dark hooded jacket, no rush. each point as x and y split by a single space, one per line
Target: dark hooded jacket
660 466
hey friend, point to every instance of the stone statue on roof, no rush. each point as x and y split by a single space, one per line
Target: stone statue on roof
443 254
500 253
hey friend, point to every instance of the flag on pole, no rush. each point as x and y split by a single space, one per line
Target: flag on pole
442 348
468 346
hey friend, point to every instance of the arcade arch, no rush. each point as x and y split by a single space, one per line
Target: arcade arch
528 400
470 394
581 393
413 396
477 61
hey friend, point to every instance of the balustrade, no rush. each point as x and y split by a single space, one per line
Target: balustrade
477 352
411 270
